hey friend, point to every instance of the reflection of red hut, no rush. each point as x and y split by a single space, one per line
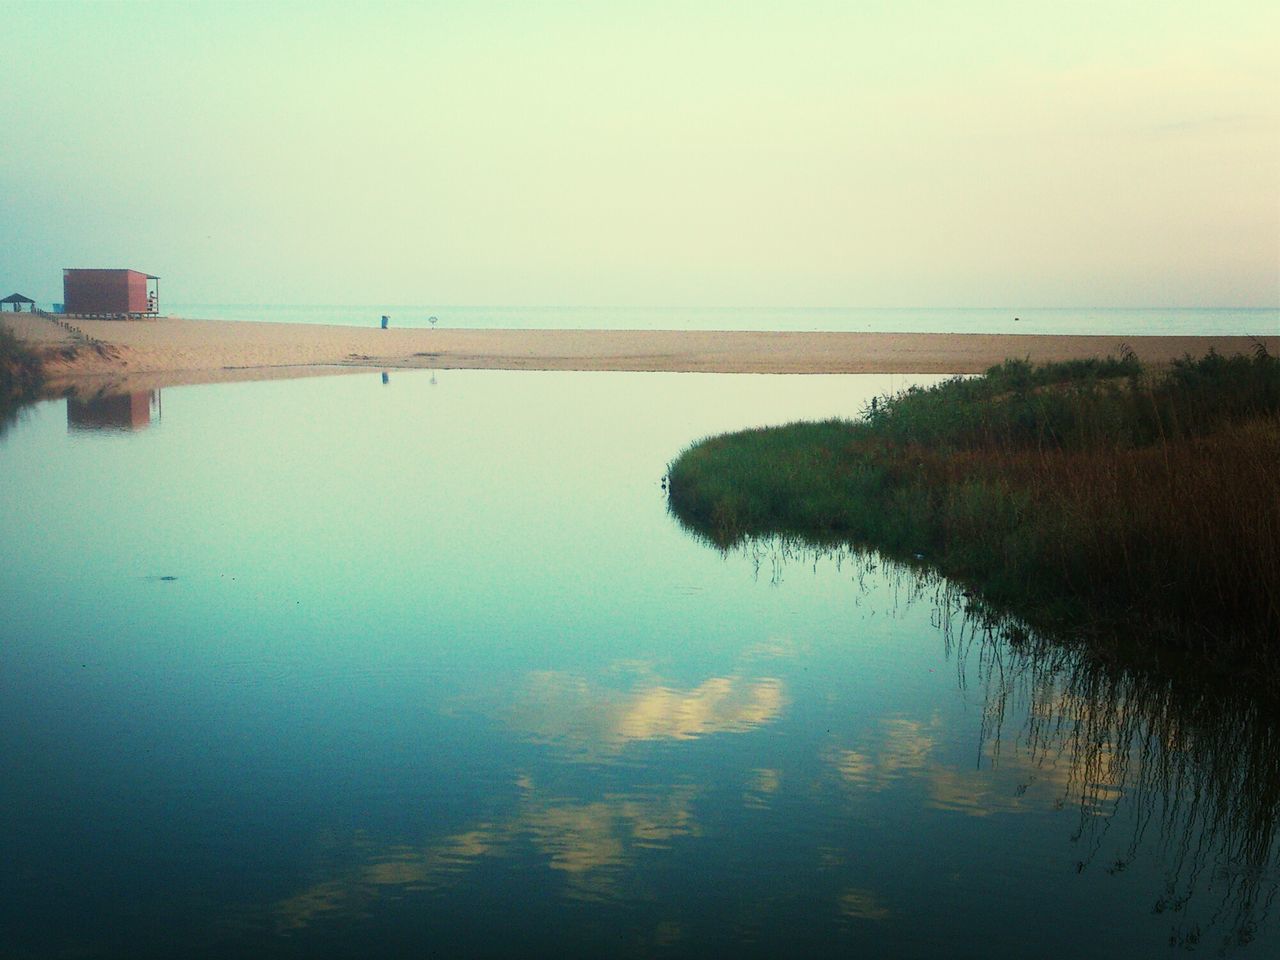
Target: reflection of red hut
110 293
124 411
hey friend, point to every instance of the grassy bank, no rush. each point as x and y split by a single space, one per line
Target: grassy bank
20 375
1086 495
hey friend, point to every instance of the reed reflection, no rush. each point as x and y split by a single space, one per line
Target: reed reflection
1197 763
1190 763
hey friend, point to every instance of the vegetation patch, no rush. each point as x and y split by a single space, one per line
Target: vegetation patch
1087 495
21 375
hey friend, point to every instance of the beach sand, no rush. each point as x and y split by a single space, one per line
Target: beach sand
143 354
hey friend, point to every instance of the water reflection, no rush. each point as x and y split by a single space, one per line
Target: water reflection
10 412
1008 782
590 844
1195 766
857 904
122 411
576 714
492 711
1152 768
1189 765
590 847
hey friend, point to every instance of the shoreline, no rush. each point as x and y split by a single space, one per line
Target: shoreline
170 351
1106 504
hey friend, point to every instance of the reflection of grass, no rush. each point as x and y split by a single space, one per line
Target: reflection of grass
1160 761
1193 757
1087 491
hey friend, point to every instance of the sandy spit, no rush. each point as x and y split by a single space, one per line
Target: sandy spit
171 350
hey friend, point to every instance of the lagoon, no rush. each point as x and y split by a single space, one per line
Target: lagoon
365 666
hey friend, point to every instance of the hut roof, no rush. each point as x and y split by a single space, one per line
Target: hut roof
16 298
149 276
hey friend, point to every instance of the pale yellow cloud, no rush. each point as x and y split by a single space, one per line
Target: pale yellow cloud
902 748
762 784
568 710
332 898
590 846
859 904
718 705
594 844
1013 778
856 768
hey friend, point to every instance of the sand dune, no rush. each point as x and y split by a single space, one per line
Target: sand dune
171 350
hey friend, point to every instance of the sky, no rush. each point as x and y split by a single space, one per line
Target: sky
806 154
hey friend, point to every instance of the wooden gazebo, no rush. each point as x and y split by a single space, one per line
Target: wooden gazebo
18 300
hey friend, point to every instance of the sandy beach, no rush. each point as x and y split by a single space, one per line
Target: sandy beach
170 350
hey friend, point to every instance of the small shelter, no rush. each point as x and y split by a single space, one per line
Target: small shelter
17 300
110 293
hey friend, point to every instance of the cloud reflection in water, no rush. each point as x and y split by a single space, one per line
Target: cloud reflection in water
591 844
1012 780
570 711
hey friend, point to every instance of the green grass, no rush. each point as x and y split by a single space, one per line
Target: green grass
1091 495
20 376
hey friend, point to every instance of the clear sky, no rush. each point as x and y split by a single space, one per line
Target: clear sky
904 153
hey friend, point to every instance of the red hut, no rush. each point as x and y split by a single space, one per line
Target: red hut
125 411
111 293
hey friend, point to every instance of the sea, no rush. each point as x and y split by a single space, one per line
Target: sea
1110 321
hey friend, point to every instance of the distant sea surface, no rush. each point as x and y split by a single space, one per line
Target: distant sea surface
1057 320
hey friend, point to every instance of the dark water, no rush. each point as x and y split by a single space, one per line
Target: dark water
337 668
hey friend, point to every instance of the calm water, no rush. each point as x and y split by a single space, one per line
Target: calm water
334 667
1112 322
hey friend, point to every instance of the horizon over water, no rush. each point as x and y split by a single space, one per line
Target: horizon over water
1104 321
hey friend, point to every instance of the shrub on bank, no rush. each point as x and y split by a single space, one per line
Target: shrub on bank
20 375
1089 493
